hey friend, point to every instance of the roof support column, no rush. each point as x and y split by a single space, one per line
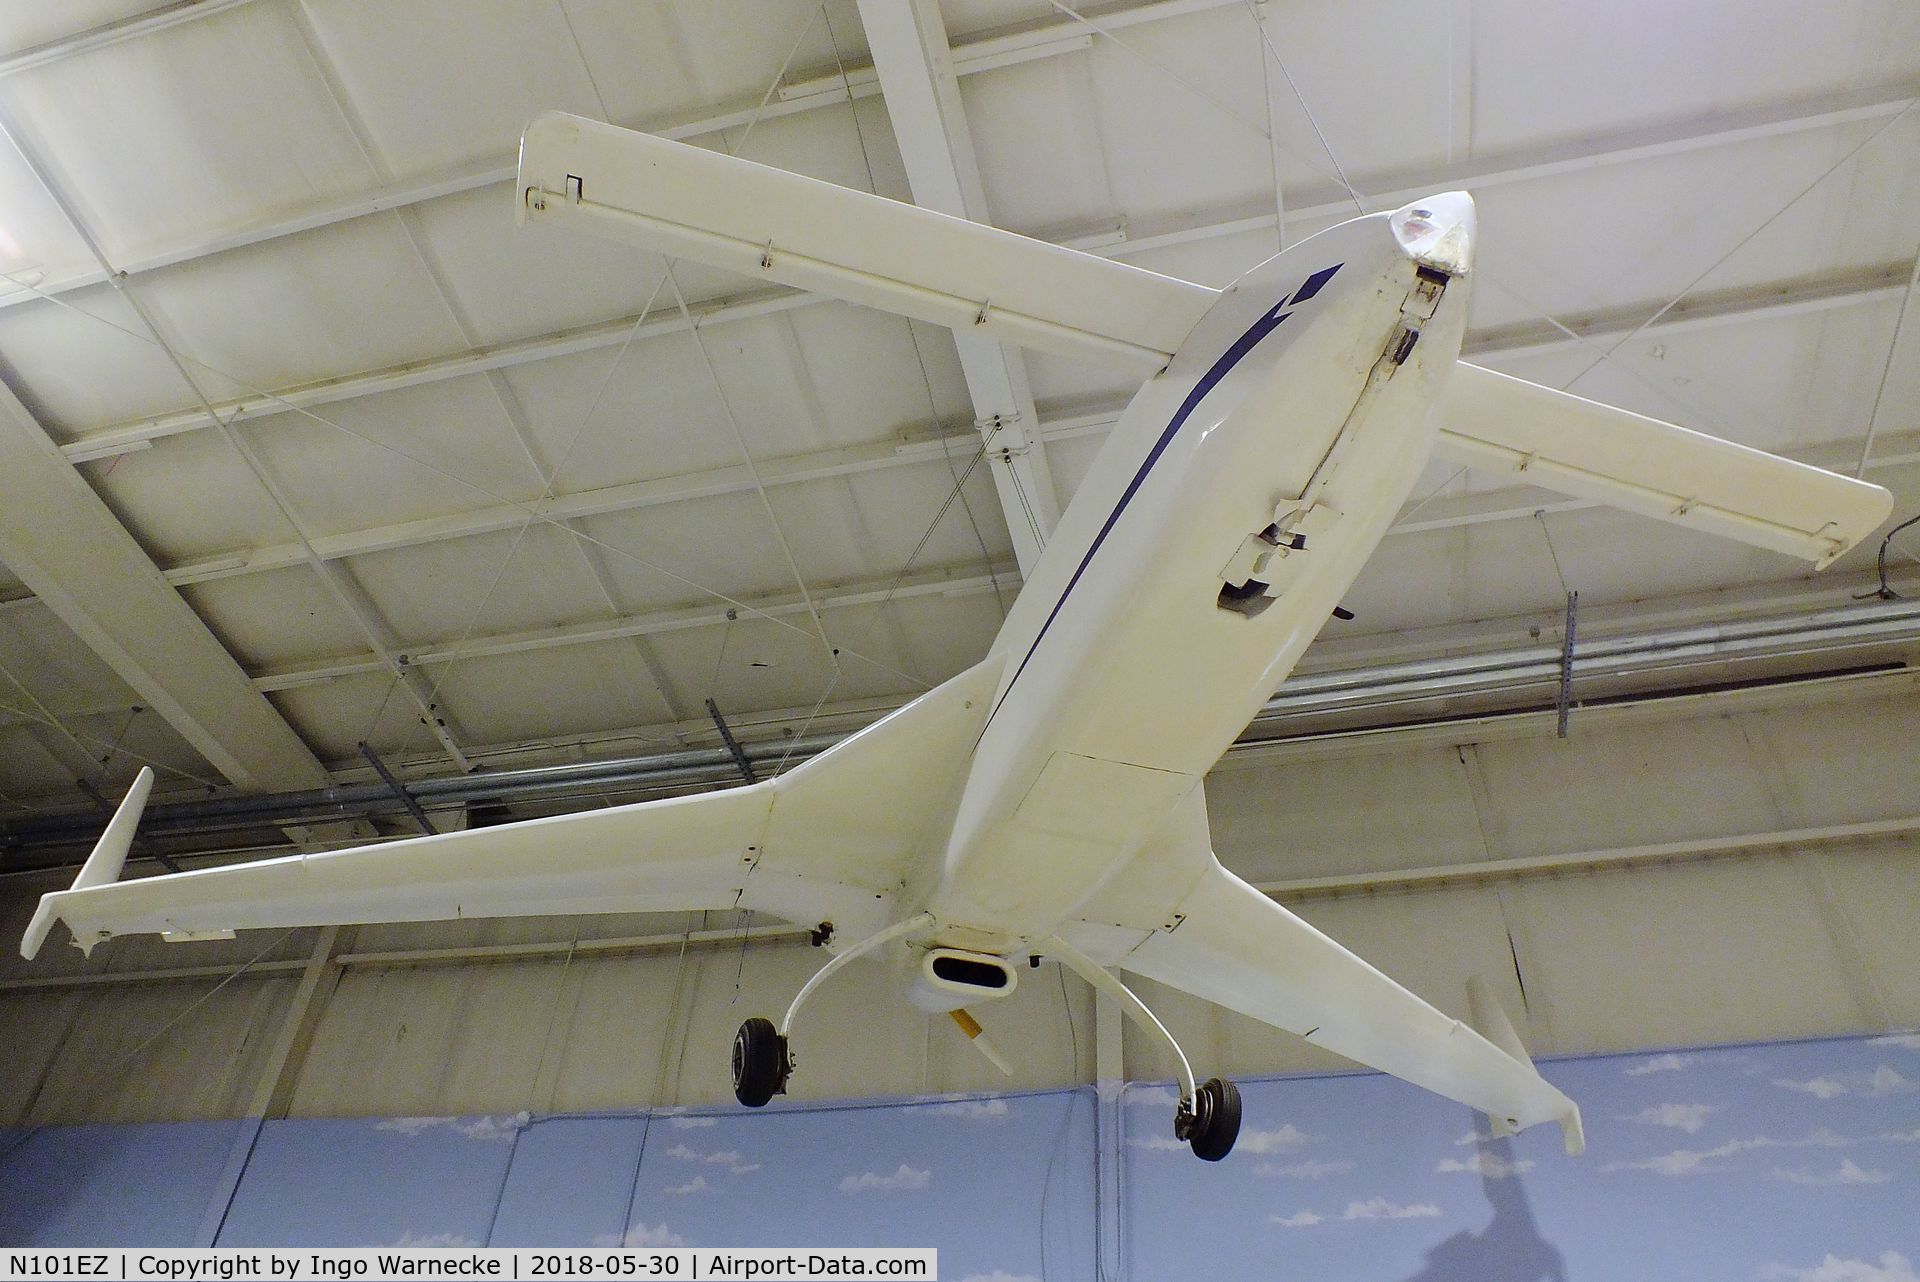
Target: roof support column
915 64
65 545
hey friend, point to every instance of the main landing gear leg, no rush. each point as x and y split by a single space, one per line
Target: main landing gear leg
761 1061
1208 1117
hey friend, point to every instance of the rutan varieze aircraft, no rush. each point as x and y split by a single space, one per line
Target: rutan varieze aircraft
1047 801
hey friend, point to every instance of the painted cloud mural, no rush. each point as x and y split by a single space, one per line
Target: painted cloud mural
1795 1162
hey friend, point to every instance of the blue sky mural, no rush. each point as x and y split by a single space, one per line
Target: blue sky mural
146 1184
1794 1162
1779 1162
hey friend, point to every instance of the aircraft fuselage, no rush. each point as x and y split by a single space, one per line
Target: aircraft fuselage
1229 512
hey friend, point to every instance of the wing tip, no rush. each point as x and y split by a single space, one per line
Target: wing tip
102 867
38 928
1572 1133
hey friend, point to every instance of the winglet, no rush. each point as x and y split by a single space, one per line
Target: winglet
1572 1133
103 865
1489 1019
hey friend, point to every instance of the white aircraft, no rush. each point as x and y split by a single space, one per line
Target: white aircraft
1047 801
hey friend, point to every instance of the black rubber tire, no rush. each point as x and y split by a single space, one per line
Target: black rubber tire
759 1062
1216 1123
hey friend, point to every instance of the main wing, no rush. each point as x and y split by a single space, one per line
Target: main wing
782 227
1228 943
796 846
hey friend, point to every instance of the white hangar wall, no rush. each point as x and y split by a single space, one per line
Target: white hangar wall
1722 868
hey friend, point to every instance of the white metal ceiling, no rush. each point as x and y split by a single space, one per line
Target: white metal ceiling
502 455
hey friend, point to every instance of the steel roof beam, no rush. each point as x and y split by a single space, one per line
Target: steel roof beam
629 496
1383 690
1767 301
908 41
961 580
1479 508
135 433
131 27
981 53
1883 283
1046 40
64 544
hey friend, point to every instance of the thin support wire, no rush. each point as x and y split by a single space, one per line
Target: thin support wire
179 359
475 487
94 1081
80 739
779 77
753 470
553 1018
660 1080
546 493
1299 97
1200 90
1540 515
926 379
1886 369
279 499
586 66
1431 495
1273 130
959 485
1745 240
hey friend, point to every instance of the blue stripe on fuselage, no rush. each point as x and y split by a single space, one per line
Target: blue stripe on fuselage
1267 323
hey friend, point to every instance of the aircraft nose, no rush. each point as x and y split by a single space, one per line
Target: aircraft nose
1437 232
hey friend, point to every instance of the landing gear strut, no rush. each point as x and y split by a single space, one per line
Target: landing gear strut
1208 1117
762 1062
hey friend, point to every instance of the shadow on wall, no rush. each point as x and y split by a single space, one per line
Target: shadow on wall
146 1184
1509 1248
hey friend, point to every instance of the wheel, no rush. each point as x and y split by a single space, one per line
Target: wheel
760 1063
1213 1124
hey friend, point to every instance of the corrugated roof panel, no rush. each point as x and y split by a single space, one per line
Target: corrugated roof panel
681 554
27 23
1001 107
1567 73
324 303
191 129
608 417
514 282
511 698
437 593
274 618
1171 151
869 524
1684 214
334 716
487 65
397 456
42 653
872 372
29 768
84 361
232 513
